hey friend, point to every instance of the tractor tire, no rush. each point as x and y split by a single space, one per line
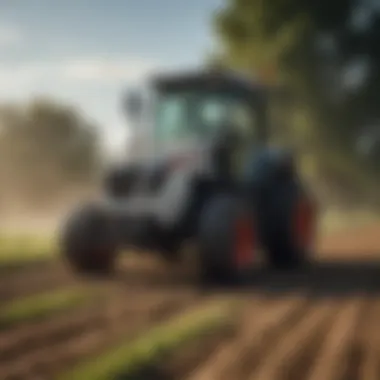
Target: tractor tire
170 250
287 246
88 241
225 240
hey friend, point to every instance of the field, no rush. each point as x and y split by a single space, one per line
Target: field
151 322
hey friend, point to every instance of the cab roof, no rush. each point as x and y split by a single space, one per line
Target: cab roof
226 80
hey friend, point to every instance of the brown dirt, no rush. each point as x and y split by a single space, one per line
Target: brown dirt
285 339
355 243
319 324
36 279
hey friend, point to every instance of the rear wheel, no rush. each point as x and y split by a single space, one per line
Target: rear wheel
171 251
290 229
88 241
226 240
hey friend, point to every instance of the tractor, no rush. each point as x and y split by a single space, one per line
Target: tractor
211 178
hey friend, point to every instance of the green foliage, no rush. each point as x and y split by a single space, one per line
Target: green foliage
130 356
42 306
333 221
309 46
257 36
20 250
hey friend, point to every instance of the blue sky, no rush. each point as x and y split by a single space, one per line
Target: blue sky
86 51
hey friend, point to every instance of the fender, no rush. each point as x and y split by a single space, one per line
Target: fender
268 167
267 172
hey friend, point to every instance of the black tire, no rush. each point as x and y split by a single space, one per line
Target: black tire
276 226
88 241
171 251
217 239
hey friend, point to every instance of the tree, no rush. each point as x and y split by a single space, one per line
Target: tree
46 148
316 48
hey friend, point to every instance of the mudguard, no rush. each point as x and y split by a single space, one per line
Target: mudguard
268 166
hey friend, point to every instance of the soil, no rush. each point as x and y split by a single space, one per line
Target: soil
315 324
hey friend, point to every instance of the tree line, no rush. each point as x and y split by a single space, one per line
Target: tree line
46 150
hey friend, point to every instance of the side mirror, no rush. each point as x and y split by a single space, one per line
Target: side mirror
133 105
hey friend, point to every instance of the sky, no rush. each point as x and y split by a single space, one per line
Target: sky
86 52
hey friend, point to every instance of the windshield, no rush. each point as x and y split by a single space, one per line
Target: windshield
182 116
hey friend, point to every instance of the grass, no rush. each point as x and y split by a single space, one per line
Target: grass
335 221
20 250
129 357
41 306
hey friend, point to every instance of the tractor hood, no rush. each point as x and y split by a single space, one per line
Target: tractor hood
191 157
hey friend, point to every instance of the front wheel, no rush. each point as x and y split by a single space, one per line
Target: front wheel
226 240
88 241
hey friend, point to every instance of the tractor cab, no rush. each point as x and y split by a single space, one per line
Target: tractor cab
197 112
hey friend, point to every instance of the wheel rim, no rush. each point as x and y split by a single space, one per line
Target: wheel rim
304 224
244 242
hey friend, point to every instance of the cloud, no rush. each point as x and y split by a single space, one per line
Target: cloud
10 35
104 70
98 71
